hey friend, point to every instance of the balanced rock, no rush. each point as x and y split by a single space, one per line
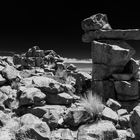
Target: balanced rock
130 34
127 90
96 22
122 112
99 130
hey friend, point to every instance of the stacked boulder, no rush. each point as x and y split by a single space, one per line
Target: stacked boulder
115 74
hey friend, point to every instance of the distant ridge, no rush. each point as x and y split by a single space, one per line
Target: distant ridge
6 53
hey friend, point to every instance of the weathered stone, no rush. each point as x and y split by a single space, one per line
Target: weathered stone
76 116
130 34
10 73
125 134
1 68
104 88
124 121
99 130
101 71
59 99
39 61
2 80
17 59
64 134
122 112
114 105
135 121
132 66
30 96
96 22
109 114
111 53
127 90
33 128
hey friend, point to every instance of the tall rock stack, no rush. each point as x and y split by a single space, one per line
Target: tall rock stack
115 74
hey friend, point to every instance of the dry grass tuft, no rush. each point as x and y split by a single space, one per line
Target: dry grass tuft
92 104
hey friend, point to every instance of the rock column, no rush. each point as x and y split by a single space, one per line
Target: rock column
115 74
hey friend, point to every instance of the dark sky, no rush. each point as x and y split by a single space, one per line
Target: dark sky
57 25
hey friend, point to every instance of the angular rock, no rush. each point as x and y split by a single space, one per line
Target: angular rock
109 114
59 99
2 80
1 68
104 88
42 110
111 53
135 121
31 96
114 105
127 90
122 112
96 22
39 62
129 34
17 59
10 73
124 121
125 134
132 66
76 116
64 134
101 71
33 128
99 130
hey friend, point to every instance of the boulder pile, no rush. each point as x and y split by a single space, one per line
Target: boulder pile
41 98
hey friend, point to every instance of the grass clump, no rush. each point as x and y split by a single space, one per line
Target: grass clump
92 103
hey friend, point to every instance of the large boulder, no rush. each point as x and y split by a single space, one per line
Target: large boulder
10 73
129 34
96 22
102 71
127 90
97 131
33 128
111 53
104 88
30 96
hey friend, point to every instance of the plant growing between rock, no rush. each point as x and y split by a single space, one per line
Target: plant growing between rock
92 103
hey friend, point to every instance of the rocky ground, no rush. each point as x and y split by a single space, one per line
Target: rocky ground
42 99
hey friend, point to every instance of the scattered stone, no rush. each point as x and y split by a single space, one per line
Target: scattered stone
98 130
109 114
124 121
2 80
114 105
122 112
10 73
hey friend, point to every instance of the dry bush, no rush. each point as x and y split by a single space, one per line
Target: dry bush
92 103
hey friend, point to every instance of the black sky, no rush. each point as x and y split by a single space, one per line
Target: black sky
57 25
